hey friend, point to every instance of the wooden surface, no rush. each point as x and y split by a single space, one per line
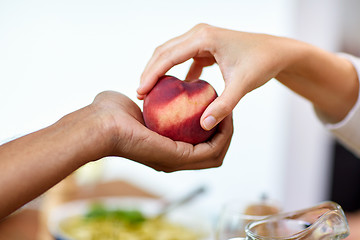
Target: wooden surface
30 223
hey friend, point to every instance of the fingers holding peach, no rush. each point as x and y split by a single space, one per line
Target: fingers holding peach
204 155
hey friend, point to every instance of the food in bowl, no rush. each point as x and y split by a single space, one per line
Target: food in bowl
100 221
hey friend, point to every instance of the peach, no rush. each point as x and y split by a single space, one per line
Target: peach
173 109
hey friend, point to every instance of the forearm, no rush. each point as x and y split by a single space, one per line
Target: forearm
327 80
32 164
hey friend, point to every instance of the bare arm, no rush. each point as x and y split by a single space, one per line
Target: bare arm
111 126
327 80
32 164
249 60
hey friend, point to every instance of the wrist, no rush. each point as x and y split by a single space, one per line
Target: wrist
87 134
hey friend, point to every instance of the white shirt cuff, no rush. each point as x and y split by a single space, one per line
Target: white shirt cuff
347 131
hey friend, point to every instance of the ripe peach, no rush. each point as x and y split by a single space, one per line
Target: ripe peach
173 109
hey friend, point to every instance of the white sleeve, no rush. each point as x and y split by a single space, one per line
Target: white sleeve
347 131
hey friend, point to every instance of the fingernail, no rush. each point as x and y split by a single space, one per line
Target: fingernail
209 122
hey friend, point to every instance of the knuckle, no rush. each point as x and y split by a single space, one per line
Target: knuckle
218 163
102 94
171 166
159 51
217 155
156 168
201 25
168 170
163 168
218 160
206 33
159 48
162 53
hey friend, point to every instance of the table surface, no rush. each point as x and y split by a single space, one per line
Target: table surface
29 223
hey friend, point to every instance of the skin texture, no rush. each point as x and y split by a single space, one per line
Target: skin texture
111 126
249 60
173 109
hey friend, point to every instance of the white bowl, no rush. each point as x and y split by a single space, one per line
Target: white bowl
147 206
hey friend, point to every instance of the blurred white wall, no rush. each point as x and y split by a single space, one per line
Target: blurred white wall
55 56
308 163
307 175
350 35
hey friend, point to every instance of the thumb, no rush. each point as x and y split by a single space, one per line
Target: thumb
222 106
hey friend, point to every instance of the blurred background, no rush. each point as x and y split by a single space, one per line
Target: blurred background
55 56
